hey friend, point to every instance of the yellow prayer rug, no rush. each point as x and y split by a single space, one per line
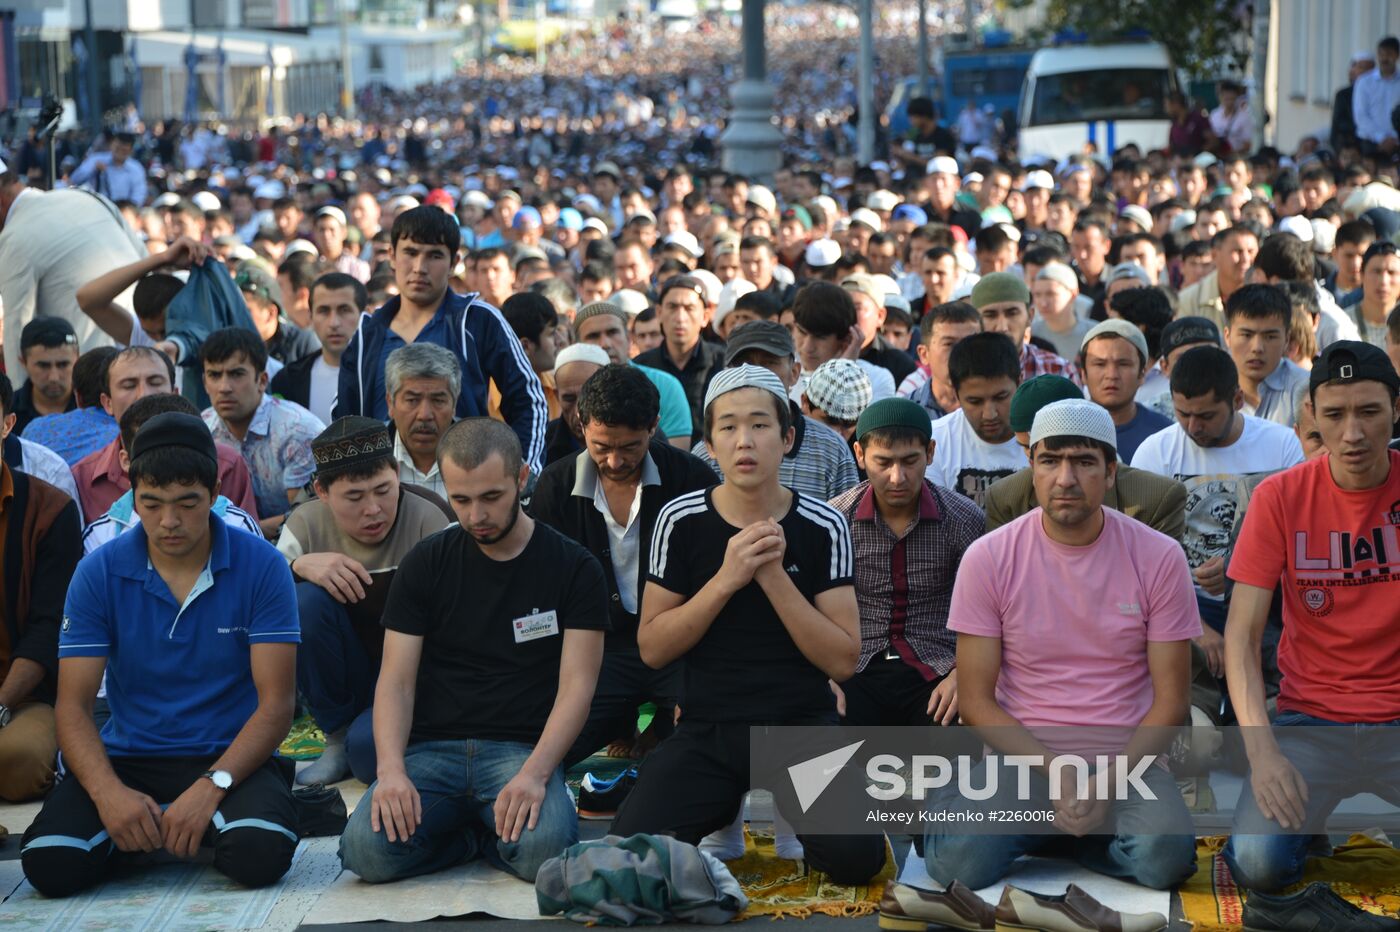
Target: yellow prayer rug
783 889
1364 871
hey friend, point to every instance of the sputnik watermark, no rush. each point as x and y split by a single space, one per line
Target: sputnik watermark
1113 778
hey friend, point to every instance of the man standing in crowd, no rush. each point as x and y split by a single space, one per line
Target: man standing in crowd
343 550
273 436
975 446
337 301
196 715
493 638
1157 501
819 464
1220 455
1257 323
1340 646
683 354
1233 250
909 537
422 382
1374 99
114 174
607 498
51 244
1114 361
87 428
425 245
41 528
604 324
48 348
751 584
1004 302
131 374
1035 655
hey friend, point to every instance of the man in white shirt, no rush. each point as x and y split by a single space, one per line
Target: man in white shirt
337 300
1232 121
422 381
1375 97
52 243
114 173
975 446
1220 455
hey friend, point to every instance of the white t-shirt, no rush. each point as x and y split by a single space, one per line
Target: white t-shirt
325 380
964 462
1219 480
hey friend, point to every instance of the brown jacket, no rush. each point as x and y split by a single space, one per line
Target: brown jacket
1156 501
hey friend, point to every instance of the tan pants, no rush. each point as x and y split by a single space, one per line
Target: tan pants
28 747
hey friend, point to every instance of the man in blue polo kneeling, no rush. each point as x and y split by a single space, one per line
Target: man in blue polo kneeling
196 629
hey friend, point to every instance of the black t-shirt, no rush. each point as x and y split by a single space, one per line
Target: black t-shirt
492 631
746 667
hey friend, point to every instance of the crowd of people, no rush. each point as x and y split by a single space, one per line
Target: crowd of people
471 461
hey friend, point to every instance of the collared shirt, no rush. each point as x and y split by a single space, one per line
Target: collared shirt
73 434
1373 98
100 479
124 182
1036 361
904 585
276 447
122 518
353 266
624 542
41 463
1277 401
178 676
409 472
23 407
1236 128
704 361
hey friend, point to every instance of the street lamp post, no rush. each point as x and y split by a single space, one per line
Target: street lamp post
865 77
923 48
752 143
347 75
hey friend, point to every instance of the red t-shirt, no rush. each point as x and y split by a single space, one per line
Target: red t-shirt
1337 555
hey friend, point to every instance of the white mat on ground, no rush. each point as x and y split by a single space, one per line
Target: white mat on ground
458 891
17 817
1049 876
169 897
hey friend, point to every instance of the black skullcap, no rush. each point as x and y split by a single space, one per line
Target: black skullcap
1353 361
351 443
175 429
47 331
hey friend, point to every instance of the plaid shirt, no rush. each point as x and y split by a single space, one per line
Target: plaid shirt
904 585
1036 361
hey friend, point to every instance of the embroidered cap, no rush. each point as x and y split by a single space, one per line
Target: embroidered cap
351 443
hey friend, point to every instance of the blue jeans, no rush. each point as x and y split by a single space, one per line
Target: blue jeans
1146 845
334 674
359 747
458 782
1336 764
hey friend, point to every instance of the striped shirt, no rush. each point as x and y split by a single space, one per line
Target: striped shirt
121 517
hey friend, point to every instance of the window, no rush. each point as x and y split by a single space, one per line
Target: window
1104 94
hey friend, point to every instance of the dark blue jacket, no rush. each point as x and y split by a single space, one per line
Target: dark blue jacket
486 349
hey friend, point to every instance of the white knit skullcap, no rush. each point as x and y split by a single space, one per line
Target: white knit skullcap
1074 418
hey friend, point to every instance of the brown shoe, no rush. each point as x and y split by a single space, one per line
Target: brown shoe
1075 911
909 909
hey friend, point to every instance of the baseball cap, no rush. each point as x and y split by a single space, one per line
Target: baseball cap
764 335
910 212
607 168
1115 327
943 165
821 252
1298 226
48 332
206 201
841 388
866 285
171 199
335 213
746 376
729 294
175 429
1074 417
570 219
800 214
1041 179
882 200
1034 394
478 199
713 286
868 217
593 223
1185 331
684 239
526 217
759 196
439 197
1126 270
1138 215
255 279
1349 361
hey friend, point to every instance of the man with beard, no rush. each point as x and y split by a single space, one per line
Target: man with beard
493 638
422 381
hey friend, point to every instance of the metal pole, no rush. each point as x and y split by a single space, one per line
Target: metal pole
347 74
970 14
923 49
94 114
1260 64
539 34
752 144
481 33
865 77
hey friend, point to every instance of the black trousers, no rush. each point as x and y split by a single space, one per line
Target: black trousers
253 832
888 692
694 783
624 683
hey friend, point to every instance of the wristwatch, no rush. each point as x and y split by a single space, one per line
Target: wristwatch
5 715
220 778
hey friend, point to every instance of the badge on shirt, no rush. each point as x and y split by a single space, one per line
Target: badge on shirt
535 626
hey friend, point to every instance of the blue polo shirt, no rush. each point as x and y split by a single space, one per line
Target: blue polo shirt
179 678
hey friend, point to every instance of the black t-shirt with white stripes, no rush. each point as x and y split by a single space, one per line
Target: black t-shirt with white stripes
746 668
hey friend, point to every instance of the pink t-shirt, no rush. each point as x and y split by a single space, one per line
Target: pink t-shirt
1075 622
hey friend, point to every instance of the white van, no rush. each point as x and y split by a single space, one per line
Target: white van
1108 95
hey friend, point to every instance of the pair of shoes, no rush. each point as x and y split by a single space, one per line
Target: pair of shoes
909 909
1314 909
598 800
1073 911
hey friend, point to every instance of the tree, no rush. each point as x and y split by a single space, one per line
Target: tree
1204 37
